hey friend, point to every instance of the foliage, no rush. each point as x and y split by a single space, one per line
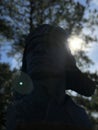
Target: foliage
5 86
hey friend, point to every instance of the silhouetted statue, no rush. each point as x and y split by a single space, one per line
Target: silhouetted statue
49 63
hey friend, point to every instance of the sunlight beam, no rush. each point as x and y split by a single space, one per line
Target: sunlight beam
75 44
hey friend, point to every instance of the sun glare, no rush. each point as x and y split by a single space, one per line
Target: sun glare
75 44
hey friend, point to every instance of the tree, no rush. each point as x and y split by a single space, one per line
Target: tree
5 87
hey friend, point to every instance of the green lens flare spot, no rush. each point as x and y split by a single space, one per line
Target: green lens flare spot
22 83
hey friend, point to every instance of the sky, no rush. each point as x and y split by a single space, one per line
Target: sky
93 54
6 59
76 43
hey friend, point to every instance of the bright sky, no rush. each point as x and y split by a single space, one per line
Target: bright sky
76 43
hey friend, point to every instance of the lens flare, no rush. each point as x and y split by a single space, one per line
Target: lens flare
75 44
22 83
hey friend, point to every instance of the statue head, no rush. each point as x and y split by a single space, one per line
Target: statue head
46 55
48 59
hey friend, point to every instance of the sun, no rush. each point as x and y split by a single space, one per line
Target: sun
75 44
